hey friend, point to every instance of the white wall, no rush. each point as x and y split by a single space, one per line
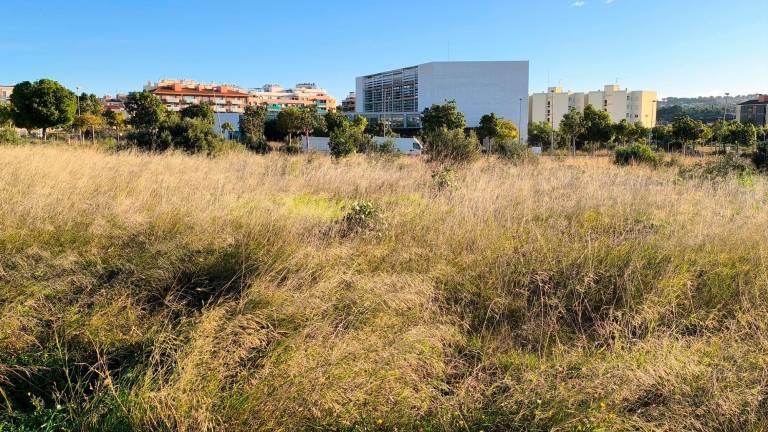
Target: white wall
478 87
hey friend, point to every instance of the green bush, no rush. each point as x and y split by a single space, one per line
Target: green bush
347 140
635 154
514 151
760 155
362 217
452 145
8 135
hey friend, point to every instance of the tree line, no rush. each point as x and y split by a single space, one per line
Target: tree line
593 129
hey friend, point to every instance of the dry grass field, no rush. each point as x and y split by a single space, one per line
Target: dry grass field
245 292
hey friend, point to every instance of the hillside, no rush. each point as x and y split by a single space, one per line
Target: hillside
245 292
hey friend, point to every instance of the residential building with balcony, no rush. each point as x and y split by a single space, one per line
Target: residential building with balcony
479 87
753 111
276 98
348 104
634 106
5 94
178 94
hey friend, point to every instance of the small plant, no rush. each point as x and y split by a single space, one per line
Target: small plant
362 217
443 179
635 154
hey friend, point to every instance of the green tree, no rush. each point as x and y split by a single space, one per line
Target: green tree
201 111
624 131
572 126
540 135
289 122
688 131
145 109
227 129
662 135
252 124
89 104
115 120
489 126
310 120
335 120
42 105
742 134
347 140
446 116
6 115
507 130
598 128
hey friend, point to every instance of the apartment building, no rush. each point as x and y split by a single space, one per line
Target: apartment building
479 87
633 106
348 104
753 111
177 94
5 94
276 98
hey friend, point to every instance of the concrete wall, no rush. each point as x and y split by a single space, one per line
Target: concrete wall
478 87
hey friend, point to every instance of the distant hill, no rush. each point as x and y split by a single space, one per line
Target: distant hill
704 101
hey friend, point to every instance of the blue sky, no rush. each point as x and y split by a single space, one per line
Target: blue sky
677 47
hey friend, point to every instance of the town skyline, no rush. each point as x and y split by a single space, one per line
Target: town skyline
579 46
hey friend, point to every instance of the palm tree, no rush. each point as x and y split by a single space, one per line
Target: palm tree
226 128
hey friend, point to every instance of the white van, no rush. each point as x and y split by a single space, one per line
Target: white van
408 146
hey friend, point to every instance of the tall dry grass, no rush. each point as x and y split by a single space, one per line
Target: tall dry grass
146 292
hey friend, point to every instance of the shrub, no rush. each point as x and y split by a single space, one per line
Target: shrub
760 155
452 145
8 135
719 168
443 179
347 140
362 217
635 154
514 151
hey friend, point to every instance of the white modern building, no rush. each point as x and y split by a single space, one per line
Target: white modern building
478 87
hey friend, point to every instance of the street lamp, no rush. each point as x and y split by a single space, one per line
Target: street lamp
520 123
725 109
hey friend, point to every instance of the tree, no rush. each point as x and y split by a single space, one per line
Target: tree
348 139
42 105
688 131
624 131
6 115
335 120
310 120
598 128
146 110
88 121
446 116
89 104
226 129
201 111
572 125
742 134
662 135
115 120
289 122
489 126
721 132
540 135
251 125
507 130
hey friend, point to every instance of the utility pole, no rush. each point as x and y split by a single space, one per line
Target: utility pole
520 123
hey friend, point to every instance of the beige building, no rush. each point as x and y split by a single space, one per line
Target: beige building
5 94
633 106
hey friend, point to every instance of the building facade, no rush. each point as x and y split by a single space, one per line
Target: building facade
753 111
5 94
633 106
275 98
178 94
348 104
478 87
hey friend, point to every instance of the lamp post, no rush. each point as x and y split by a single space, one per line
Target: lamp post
520 123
